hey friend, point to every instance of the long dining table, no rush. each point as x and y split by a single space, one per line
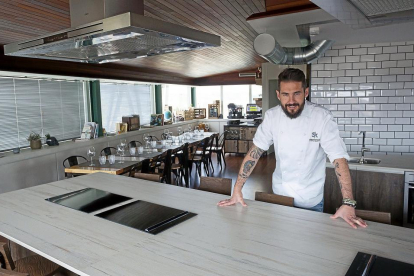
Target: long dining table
260 239
129 161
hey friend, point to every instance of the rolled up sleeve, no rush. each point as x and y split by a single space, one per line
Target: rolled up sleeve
263 138
331 141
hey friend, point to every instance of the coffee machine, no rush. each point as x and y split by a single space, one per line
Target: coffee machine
235 112
253 111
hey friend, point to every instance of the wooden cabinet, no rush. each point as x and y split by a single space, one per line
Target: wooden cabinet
243 146
250 132
373 191
383 192
332 191
230 146
242 136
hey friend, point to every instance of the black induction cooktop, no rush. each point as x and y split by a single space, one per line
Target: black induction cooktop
371 265
146 216
88 200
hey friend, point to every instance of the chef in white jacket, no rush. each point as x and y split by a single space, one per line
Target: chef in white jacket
303 135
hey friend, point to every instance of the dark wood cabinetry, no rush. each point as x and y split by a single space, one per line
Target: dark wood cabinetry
332 191
383 192
374 191
239 138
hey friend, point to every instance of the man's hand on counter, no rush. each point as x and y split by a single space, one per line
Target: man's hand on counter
236 198
347 213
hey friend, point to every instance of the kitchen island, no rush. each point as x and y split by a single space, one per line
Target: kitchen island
262 239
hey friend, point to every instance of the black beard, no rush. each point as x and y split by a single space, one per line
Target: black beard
297 114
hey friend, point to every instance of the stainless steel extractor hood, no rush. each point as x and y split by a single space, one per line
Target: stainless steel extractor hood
123 36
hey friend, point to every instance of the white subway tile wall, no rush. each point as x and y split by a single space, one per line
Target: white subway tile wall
369 88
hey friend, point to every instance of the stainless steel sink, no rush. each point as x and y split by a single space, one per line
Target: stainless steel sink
370 161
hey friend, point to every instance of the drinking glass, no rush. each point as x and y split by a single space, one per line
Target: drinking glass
120 150
102 160
207 127
140 150
146 139
111 159
153 144
123 142
132 151
91 153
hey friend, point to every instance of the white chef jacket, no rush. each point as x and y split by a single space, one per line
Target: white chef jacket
301 146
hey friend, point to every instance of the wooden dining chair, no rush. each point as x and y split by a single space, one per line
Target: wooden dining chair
380 217
108 151
200 159
34 265
149 176
72 161
218 149
273 198
216 185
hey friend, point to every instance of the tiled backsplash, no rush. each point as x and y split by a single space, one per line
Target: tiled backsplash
370 88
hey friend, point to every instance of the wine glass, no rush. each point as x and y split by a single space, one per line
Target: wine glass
91 153
120 150
123 142
146 140
180 130
166 131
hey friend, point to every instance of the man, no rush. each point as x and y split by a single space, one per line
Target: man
303 135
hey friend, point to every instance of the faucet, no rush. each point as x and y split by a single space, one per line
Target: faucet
363 149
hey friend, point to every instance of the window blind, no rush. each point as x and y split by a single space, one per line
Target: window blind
118 100
41 106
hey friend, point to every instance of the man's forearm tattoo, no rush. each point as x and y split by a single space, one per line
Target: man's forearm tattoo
256 152
247 168
338 175
344 179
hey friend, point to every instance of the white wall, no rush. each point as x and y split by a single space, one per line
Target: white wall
369 88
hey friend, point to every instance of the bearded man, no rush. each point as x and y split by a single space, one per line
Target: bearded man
303 135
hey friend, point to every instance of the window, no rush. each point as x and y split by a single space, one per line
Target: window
118 100
256 92
177 96
41 106
206 95
237 94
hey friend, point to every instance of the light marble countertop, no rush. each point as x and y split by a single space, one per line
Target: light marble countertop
397 164
262 239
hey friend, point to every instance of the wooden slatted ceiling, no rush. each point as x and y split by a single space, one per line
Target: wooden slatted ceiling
26 19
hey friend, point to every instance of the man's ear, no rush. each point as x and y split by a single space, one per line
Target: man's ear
306 92
278 94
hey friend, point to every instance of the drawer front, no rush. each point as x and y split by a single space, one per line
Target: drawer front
250 144
250 132
243 146
230 146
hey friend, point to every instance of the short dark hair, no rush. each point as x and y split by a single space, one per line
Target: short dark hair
292 74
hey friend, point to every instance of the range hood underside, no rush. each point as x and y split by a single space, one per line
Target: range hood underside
125 36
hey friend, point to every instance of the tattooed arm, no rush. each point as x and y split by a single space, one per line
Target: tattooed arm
246 169
347 213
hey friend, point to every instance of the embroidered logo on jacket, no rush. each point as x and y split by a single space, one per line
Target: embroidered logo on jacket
314 137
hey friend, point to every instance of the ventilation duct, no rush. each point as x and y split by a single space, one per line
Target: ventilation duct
268 48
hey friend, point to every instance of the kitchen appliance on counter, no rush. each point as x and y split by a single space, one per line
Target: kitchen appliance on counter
142 215
146 216
88 200
253 111
408 219
235 111
367 264
233 122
